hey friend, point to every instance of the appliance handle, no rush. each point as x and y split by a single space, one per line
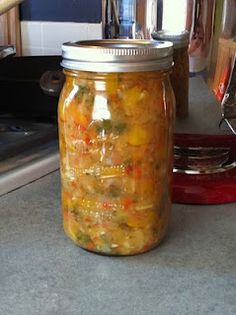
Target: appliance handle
51 82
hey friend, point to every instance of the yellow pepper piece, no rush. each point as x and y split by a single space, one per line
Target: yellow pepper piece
138 136
131 98
112 83
142 220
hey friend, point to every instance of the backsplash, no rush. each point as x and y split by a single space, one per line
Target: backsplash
46 38
45 25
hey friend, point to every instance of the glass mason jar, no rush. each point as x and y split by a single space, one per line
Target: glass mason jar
180 72
116 115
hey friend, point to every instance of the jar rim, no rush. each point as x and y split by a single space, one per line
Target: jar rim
117 55
179 39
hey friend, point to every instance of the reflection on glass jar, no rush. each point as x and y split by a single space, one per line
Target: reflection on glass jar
115 131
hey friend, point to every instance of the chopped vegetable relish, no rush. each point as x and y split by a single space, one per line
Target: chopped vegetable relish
115 132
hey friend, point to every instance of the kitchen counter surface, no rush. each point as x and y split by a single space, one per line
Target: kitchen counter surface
42 272
193 272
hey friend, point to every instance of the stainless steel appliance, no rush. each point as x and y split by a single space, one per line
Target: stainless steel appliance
212 95
28 120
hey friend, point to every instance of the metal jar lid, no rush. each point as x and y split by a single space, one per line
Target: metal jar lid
180 39
116 55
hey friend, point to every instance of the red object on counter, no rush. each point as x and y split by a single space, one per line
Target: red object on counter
216 188
220 91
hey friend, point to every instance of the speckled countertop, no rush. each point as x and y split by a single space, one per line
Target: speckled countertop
193 272
43 272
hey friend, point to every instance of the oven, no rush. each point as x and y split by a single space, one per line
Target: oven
29 88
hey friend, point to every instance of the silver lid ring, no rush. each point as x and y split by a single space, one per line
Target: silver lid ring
117 55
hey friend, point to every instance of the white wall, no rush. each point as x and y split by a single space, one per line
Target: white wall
46 38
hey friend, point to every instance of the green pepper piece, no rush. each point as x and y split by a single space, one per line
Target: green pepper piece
120 127
104 125
83 238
